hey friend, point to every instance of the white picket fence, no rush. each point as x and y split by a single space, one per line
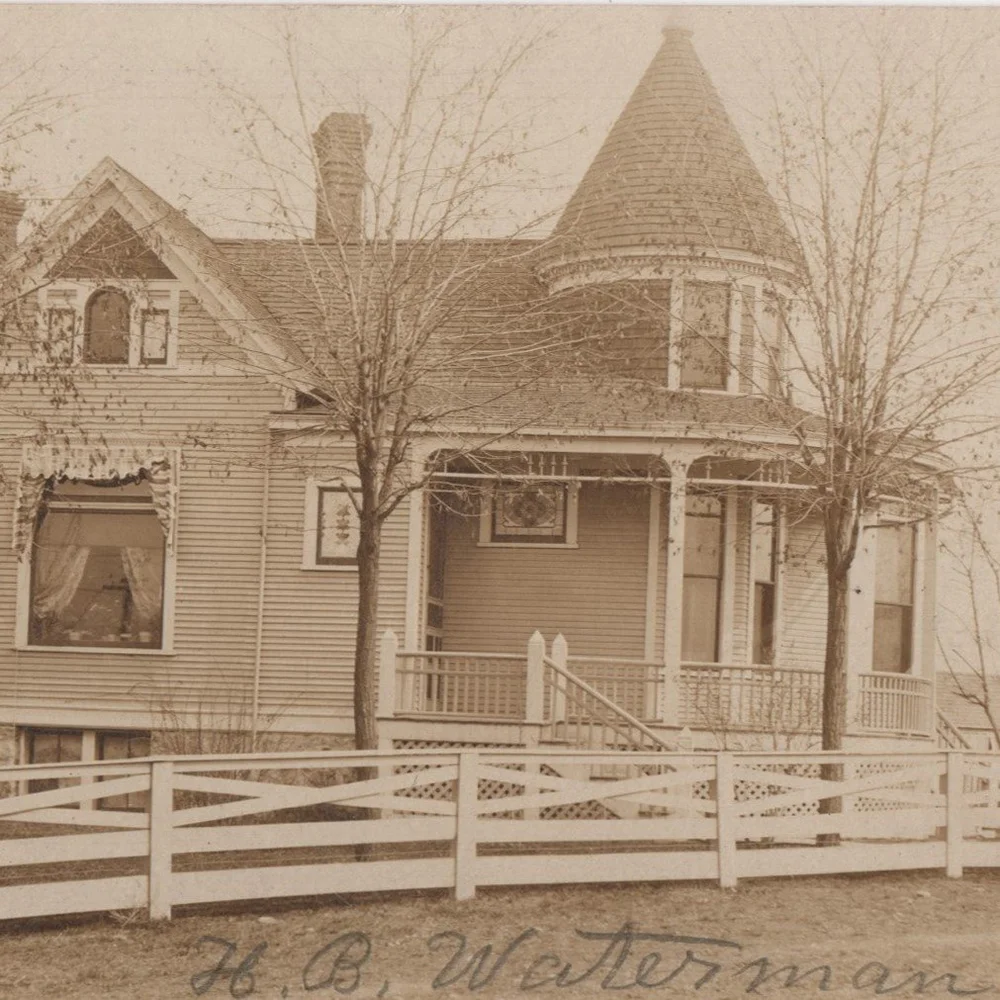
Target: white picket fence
211 829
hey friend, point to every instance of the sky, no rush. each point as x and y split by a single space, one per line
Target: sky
151 86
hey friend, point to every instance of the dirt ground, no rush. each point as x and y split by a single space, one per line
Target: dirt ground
851 936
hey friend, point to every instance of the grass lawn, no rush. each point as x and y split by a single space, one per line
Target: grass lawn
905 924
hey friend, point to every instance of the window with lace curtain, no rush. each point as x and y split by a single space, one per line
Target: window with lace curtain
97 565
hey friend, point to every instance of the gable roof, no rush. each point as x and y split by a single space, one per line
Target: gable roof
173 240
674 172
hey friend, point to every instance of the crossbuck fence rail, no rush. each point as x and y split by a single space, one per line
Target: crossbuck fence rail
162 832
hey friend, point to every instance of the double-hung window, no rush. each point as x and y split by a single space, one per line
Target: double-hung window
764 561
97 566
703 546
892 647
704 341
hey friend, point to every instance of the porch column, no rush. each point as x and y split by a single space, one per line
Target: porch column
925 609
669 699
860 618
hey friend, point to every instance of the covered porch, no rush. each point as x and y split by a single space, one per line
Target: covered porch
685 591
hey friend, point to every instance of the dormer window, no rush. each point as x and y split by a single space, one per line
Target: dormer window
704 342
107 328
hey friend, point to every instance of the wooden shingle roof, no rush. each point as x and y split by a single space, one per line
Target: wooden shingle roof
673 172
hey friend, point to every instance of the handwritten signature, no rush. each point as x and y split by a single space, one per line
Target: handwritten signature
623 959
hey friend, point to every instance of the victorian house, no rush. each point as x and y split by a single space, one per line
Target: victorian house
638 566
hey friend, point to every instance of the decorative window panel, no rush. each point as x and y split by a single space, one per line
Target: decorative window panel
529 512
61 328
155 332
338 531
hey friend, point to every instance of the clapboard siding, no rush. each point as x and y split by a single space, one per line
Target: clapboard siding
219 423
595 594
803 620
310 615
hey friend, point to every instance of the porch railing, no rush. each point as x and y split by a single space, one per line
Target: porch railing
510 687
949 735
895 703
632 684
479 685
720 697
582 716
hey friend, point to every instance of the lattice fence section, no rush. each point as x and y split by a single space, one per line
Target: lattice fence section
876 803
444 791
575 810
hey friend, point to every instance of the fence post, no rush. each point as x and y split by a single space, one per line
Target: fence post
534 694
560 655
161 824
954 787
725 816
466 816
388 649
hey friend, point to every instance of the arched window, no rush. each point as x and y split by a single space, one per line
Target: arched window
106 328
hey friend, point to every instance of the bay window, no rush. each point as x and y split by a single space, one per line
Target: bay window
703 546
892 647
97 566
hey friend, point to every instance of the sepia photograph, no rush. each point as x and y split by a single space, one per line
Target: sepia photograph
499 499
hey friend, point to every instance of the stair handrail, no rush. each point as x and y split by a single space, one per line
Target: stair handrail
616 711
949 734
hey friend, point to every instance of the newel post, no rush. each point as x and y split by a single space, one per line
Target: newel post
560 656
534 693
387 653
161 826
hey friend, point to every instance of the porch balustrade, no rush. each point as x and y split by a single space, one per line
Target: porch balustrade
895 703
719 698
477 685
520 687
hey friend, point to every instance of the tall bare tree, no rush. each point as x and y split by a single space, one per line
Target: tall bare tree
409 325
886 174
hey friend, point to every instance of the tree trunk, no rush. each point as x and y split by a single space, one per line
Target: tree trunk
834 687
835 660
366 637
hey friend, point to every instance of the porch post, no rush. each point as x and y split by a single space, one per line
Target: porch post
860 619
388 649
668 707
534 695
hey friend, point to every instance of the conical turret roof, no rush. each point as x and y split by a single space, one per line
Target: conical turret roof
673 172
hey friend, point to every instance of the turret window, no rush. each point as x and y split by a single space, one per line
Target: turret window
704 341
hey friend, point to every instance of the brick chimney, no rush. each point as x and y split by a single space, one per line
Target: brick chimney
340 143
11 210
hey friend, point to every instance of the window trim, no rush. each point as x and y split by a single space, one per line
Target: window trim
487 508
777 582
723 578
729 376
157 295
23 612
310 533
889 521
